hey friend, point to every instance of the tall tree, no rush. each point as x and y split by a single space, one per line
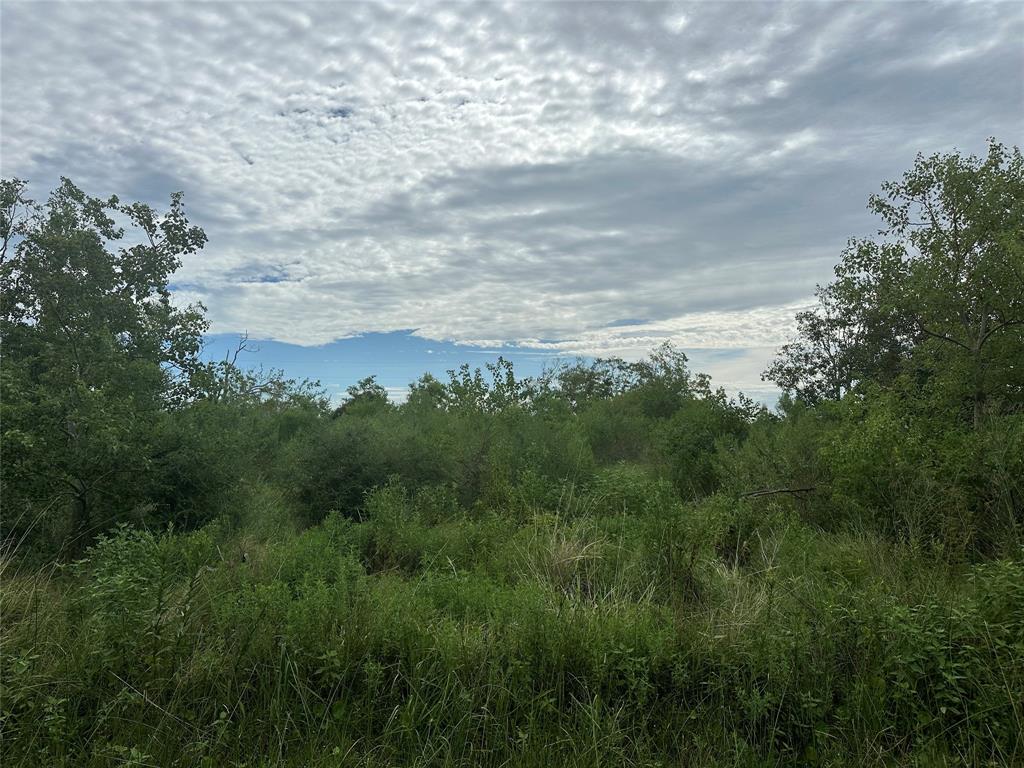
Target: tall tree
941 292
93 349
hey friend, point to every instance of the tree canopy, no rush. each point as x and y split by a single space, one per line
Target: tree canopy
94 350
937 296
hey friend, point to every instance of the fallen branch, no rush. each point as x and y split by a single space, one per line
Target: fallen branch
773 491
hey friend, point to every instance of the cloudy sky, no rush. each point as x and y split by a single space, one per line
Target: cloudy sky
440 181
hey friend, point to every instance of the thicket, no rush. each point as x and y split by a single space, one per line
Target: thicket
613 563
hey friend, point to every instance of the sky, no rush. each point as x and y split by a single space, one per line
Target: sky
394 188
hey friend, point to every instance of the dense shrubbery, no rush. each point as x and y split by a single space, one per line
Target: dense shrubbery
612 563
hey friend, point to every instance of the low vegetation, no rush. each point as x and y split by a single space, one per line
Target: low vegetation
613 563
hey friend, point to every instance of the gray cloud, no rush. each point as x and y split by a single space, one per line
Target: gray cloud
506 172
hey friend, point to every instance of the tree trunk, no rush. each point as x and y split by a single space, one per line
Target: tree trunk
979 373
80 514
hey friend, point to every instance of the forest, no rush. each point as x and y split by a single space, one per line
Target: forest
612 563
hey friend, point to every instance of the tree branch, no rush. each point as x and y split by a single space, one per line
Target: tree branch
999 327
772 492
940 336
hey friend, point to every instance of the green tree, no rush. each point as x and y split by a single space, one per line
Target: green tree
939 296
852 334
364 397
425 394
469 391
580 383
94 351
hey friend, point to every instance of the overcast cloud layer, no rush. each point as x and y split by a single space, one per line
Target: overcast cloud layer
581 178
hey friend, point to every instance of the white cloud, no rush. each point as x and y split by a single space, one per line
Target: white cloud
514 172
762 327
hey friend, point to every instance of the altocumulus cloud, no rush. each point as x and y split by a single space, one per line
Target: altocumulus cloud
574 178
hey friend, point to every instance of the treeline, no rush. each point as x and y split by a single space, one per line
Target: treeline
902 407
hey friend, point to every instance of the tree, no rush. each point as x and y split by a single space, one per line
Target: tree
364 397
469 392
226 381
426 394
940 296
93 349
852 334
962 287
581 383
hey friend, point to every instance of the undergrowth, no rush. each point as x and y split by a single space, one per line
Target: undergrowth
612 625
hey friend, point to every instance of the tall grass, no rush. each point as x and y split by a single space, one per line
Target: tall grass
611 625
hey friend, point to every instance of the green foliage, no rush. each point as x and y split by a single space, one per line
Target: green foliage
366 397
940 297
94 350
427 635
689 440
